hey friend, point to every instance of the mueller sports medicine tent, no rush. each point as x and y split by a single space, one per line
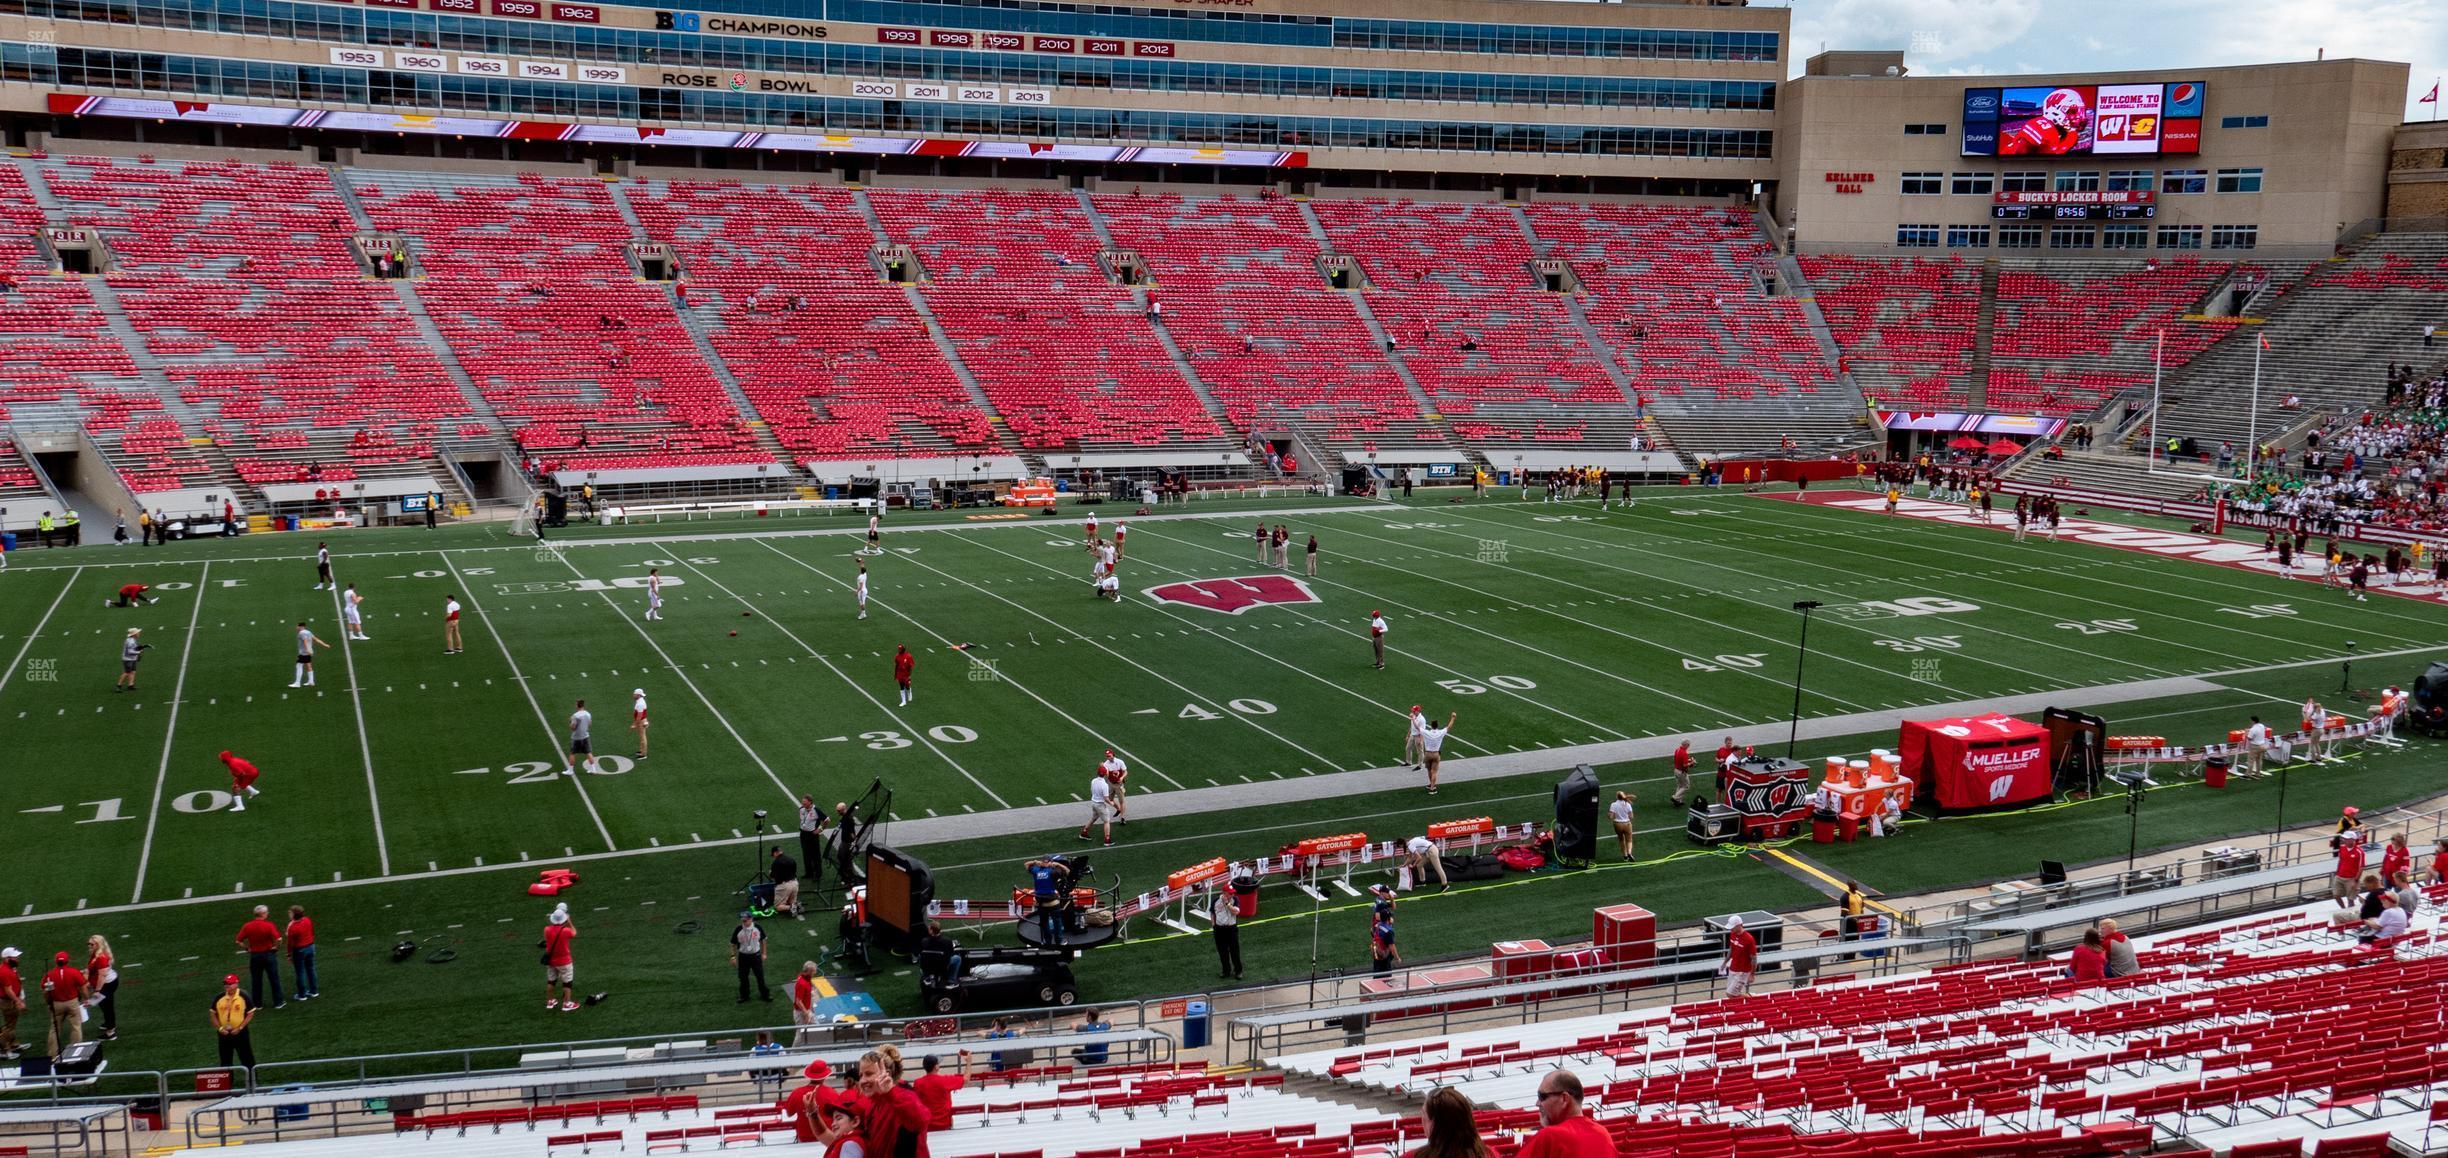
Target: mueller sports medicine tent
1977 761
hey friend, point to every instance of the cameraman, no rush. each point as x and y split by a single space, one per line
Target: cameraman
1050 883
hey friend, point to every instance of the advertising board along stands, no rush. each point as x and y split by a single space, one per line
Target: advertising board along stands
1977 761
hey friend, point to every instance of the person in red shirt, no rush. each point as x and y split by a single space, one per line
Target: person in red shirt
12 1001
896 1121
2395 857
1742 958
64 988
903 664
262 940
102 980
801 1106
131 595
560 968
1682 771
842 1134
803 1003
299 935
242 780
2349 868
2439 861
934 1090
2090 959
1564 1132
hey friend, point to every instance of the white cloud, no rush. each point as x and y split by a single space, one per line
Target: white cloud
1968 37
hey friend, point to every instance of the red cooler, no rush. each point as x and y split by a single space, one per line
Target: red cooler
1626 935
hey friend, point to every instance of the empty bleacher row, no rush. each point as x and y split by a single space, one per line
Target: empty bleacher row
2264 1035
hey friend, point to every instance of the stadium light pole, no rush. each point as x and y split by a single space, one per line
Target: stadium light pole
1793 731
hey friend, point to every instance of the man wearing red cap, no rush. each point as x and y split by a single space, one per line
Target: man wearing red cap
1682 771
242 780
903 664
1115 772
64 988
1377 630
232 1013
1411 743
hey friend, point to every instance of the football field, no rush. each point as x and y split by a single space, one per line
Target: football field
1234 689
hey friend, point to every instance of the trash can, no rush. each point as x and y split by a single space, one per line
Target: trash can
1504 478
8 540
2214 771
832 493
289 522
1194 1026
291 1113
1245 897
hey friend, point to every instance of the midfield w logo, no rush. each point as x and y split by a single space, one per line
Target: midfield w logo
1235 595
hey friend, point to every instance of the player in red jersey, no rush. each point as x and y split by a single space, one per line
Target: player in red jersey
130 596
903 664
2054 132
242 780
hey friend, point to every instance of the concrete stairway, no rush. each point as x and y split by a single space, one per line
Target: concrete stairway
1164 337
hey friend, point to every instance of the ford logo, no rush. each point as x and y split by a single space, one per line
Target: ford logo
1983 103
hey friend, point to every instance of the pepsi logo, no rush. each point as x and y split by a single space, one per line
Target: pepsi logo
2182 93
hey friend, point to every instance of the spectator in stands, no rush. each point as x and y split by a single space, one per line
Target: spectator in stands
2373 893
2119 950
2409 898
1092 1055
2090 959
2395 857
1563 1131
2349 867
232 1014
934 1089
1741 959
999 1029
2391 921
895 1123
2439 861
1452 1132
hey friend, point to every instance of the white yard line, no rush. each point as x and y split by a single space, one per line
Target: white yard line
919 735
1261 653
1087 638
1023 688
39 624
677 670
178 696
551 735
365 748
1718 712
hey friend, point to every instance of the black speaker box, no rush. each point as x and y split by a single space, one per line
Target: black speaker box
1576 812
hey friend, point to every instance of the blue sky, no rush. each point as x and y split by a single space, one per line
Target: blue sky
1971 37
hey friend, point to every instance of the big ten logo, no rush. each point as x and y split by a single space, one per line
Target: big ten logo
677 21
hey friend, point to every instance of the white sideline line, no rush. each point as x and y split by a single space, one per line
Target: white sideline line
694 690
39 624
178 695
864 694
365 749
551 734
1020 821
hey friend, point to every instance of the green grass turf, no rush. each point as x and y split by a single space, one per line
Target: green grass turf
1543 626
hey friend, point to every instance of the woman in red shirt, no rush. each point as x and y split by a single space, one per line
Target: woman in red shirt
300 937
104 982
2090 958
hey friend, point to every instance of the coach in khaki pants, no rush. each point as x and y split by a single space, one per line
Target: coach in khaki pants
64 987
